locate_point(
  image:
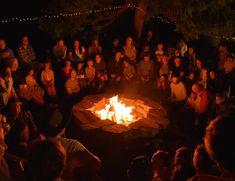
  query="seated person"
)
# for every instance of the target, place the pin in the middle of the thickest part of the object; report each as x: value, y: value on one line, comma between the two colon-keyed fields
x: 6, y: 87
x: 31, y: 89
x: 48, y: 79
x: 66, y: 69
x: 94, y: 48
x: 178, y: 90
x: 71, y: 85
x: 145, y: 69
x: 128, y: 71
x: 100, y: 71
x: 115, y: 68
x: 81, y: 75
x: 90, y: 73
x: 59, y: 50
x: 27, y: 56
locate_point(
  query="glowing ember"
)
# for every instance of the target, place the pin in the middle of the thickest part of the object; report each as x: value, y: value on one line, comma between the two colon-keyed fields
x: 115, y: 110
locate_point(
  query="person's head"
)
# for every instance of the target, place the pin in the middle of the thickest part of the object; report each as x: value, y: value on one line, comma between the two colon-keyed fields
x: 175, y: 79
x: 160, y: 46
x: 191, y: 76
x: 95, y: 43
x: 2, y: 44
x: 90, y: 63
x: 212, y: 74
x: 69, y: 54
x: 229, y: 58
x: 7, y: 72
x: 190, y: 50
x: 201, y: 160
x: 150, y: 34
x: 146, y: 47
x: 73, y: 74
x: 116, y: 42
x: 199, y: 64
x: 98, y: 58
x: 219, y: 143
x: 118, y: 55
x: 129, y: 41
x: 183, y: 156
x: 139, y: 169
x: 161, y: 162
x: 222, y: 48
x: 220, y: 98
x: 14, y: 64
x: 197, y: 88
x: 31, y: 72
x: 47, y: 159
x: 25, y: 40
x: 146, y: 57
x: 76, y: 43
x: 60, y: 42
x: 177, y: 61
x: 79, y: 65
x: 47, y: 64
x: 177, y: 52
x: 164, y: 78
x: 68, y: 63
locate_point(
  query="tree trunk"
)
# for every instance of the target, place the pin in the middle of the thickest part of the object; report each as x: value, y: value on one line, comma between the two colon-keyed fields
x: 140, y: 13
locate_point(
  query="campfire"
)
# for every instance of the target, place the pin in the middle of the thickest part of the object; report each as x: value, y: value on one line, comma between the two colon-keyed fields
x: 120, y: 110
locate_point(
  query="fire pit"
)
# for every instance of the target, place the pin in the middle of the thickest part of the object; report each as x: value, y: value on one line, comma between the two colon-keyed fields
x: 119, y: 114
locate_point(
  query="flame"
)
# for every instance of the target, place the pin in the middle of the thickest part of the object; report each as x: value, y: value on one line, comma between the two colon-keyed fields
x: 116, y: 111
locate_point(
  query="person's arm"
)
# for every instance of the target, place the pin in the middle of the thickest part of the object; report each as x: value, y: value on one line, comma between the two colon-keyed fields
x: 33, y: 55
x: 204, y: 103
x: 44, y: 82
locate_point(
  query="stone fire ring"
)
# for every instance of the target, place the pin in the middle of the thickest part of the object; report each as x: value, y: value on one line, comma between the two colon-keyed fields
x: 156, y: 119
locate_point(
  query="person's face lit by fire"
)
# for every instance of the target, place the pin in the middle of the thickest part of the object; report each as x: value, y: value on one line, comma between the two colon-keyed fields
x: 2, y: 44
x: 25, y: 41
x: 98, y: 58
x: 73, y: 74
x: 76, y: 43
x: 212, y: 75
x: 175, y: 80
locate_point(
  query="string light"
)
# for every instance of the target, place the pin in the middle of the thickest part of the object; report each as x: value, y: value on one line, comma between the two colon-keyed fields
x: 57, y: 16
x: 77, y: 14
x: 161, y: 19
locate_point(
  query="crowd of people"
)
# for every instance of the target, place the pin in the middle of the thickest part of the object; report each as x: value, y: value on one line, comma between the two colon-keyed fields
x: 187, y: 85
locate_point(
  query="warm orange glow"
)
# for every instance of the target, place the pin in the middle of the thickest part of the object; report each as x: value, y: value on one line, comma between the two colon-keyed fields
x: 115, y: 110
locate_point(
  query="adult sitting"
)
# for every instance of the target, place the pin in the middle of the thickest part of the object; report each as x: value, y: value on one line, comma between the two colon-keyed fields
x: 26, y: 53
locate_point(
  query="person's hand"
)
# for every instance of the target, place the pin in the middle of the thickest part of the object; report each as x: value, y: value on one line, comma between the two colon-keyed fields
x: 10, y: 81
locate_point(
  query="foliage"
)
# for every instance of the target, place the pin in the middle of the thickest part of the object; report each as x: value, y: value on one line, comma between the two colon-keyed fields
x: 70, y: 25
x: 192, y: 18
x: 213, y: 18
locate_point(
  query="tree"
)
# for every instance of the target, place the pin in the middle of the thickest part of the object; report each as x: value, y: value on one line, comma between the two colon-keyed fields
x: 192, y: 18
